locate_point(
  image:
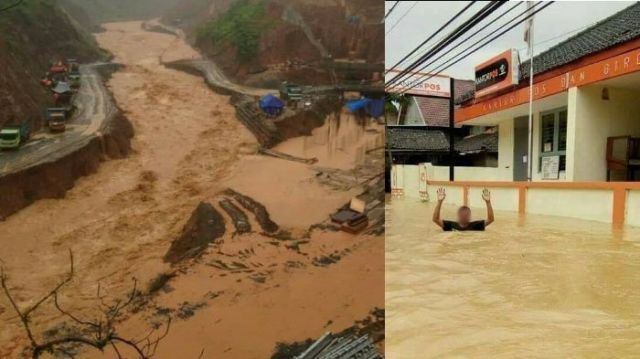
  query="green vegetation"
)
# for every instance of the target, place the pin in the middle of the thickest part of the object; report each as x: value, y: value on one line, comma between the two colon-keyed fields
x: 241, y: 26
x: 28, y: 11
x: 27, y: 14
x: 393, y: 101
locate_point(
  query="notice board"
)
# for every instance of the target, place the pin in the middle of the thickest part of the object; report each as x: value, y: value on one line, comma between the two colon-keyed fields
x: 551, y: 167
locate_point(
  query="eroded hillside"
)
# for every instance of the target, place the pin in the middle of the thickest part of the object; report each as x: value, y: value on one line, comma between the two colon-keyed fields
x: 260, y: 41
x: 31, y: 36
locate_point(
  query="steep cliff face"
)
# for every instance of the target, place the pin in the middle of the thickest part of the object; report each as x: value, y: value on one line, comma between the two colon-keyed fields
x: 31, y: 36
x: 251, y: 36
x: 100, y: 11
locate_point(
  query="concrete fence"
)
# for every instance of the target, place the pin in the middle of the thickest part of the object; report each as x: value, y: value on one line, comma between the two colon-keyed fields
x: 610, y: 202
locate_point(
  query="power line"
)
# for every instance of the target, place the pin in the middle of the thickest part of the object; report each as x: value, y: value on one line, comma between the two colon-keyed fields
x: 485, y: 26
x: 391, y: 10
x: 401, y: 17
x: 433, y: 35
x: 475, y: 34
x: 453, y: 36
x: 546, y: 4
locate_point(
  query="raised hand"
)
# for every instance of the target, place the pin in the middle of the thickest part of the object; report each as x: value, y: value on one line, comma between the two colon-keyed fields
x: 486, y: 195
x: 441, y: 194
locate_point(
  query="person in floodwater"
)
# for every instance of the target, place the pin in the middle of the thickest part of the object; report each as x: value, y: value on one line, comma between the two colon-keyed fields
x: 464, y: 222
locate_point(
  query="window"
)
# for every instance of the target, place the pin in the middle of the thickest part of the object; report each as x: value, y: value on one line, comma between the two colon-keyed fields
x: 553, y: 135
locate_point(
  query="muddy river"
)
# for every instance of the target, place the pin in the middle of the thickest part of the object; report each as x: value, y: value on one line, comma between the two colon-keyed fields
x: 527, y: 287
x: 119, y: 222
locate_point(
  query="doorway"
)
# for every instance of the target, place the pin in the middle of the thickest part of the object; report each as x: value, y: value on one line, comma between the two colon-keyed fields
x: 520, y: 148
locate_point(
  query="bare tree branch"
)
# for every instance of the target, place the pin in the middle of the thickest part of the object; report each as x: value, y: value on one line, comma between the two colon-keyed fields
x: 97, y: 334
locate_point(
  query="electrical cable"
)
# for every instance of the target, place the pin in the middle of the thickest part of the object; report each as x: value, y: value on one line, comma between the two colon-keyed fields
x: 401, y: 17
x: 546, y: 4
x: 433, y: 35
x: 453, y: 36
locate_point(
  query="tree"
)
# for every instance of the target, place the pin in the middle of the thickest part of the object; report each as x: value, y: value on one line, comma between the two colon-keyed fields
x: 395, y: 105
x: 97, y: 333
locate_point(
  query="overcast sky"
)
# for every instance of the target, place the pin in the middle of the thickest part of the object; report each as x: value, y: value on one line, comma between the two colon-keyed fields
x: 552, y: 25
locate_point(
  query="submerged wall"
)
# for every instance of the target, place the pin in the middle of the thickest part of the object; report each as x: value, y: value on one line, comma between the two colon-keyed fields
x: 609, y: 202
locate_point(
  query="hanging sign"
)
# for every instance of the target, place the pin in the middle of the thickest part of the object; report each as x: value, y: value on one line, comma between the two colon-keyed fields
x: 415, y: 84
x: 497, y: 73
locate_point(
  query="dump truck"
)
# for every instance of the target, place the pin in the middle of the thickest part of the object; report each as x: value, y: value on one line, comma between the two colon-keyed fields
x: 74, y: 73
x: 73, y: 66
x: 58, y: 68
x: 290, y: 92
x: 74, y: 80
x: 56, y: 119
x: 12, y: 136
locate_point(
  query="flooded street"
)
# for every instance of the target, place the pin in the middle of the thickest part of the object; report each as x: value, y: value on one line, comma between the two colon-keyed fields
x: 119, y: 222
x: 527, y: 287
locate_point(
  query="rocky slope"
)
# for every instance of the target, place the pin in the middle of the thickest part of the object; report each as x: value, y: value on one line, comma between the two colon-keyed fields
x: 31, y: 36
x: 287, y: 38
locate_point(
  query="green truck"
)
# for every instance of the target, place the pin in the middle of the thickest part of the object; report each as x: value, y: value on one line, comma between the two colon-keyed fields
x: 12, y: 136
x: 290, y: 92
x: 74, y: 80
x: 74, y: 73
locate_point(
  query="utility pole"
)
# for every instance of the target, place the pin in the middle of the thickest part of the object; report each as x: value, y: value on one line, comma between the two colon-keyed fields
x: 529, y: 39
x: 452, y: 101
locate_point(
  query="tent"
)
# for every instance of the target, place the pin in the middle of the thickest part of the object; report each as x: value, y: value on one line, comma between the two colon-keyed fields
x: 62, y: 87
x: 355, y: 105
x: 271, y: 105
x: 373, y: 107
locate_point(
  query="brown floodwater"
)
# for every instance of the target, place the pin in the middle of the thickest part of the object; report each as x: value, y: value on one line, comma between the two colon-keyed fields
x: 120, y: 221
x: 534, y: 286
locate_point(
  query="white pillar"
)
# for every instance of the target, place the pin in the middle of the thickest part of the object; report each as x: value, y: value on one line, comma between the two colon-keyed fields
x: 572, y: 148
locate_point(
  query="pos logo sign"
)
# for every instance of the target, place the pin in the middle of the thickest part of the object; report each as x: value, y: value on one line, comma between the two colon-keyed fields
x: 497, y: 73
x: 419, y: 83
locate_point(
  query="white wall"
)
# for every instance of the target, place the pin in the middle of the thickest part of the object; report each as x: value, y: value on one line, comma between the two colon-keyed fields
x: 454, y: 194
x: 594, y: 120
x: 596, y: 205
x: 632, y: 215
x: 502, y: 199
x: 411, y: 181
x: 413, y: 115
x: 441, y: 173
x: 505, y: 149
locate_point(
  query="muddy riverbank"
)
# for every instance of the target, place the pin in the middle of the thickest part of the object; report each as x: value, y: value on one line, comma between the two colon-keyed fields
x: 100, y: 131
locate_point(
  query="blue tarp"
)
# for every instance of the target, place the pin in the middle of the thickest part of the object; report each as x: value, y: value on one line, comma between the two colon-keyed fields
x: 355, y: 105
x: 374, y: 107
x: 271, y: 105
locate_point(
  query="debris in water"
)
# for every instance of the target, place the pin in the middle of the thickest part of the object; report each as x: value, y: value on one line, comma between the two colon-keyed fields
x: 258, y: 209
x: 204, y: 227
x: 331, y: 346
x: 160, y: 282
x: 240, y: 220
x: 188, y: 310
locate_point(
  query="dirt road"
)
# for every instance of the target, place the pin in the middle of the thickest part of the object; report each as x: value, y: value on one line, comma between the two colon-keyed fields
x: 209, y: 70
x: 120, y: 222
x: 94, y: 108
